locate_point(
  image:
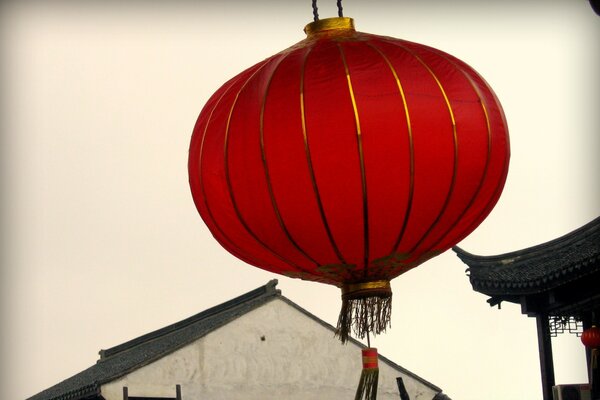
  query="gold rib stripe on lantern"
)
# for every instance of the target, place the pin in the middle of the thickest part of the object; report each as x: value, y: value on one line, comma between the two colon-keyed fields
x: 230, y: 187
x: 411, y: 186
x: 455, y: 141
x: 491, y: 201
x: 310, y: 165
x: 266, y: 167
x: 201, y: 156
x: 488, y: 155
x: 361, y: 157
x: 495, y: 194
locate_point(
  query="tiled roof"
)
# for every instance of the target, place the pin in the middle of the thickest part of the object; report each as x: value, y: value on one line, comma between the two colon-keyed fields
x: 129, y: 356
x: 573, y: 256
x: 124, y: 358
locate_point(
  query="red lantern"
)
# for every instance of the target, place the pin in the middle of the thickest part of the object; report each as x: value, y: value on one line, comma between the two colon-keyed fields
x: 348, y: 159
x: 591, y: 337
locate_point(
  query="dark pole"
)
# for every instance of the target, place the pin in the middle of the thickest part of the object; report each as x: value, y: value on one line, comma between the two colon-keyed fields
x: 587, y: 324
x: 402, y: 389
x: 545, y: 349
x: 590, y: 320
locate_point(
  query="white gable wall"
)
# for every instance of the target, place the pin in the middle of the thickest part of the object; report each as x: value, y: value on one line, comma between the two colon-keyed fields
x: 298, y: 359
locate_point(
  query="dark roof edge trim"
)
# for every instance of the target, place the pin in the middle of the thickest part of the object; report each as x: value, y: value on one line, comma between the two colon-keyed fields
x: 258, y: 302
x: 84, y: 392
x: 360, y: 344
x: 267, y: 290
x: 562, y: 241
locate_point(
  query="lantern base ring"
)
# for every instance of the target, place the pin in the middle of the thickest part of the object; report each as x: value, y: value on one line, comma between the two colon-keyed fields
x: 380, y: 288
x: 366, y: 308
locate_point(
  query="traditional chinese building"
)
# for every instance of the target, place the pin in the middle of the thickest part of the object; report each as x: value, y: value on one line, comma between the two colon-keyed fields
x: 557, y: 282
x: 259, y: 345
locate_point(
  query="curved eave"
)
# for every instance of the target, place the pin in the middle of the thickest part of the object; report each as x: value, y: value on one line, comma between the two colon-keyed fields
x: 539, y: 268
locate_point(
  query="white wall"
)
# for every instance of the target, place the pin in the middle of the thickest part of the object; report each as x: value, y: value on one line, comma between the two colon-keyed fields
x: 298, y: 359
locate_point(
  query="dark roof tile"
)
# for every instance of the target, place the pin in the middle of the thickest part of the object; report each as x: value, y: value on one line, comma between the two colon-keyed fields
x: 538, y: 268
x: 124, y: 358
x: 129, y: 356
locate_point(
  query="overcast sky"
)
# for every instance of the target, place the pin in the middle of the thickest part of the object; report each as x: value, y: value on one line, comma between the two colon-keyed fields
x: 101, y: 241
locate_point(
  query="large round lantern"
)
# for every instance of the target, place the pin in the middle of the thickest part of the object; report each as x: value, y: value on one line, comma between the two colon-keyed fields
x: 348, y: 159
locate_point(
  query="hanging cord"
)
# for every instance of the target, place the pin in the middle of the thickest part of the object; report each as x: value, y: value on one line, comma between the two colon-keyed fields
x: 316, y: 10
x: 340, y: 9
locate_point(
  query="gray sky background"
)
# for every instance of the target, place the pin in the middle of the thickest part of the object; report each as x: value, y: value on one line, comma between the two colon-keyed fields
x: 101, y: 241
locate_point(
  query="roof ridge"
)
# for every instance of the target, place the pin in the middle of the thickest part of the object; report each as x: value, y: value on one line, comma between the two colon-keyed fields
x: 360, y: 344
x: 124, y: 358
x: 532, y: 251
x: 261, y: 292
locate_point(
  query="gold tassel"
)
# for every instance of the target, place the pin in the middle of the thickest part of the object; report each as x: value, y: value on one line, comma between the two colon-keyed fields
x: 367, y: 386
x: 366, y: 308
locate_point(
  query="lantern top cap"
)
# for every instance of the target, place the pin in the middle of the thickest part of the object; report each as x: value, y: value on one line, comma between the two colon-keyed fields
x: 330, y: 25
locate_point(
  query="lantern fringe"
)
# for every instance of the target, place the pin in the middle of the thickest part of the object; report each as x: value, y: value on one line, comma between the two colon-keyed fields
x: 369, y: 377
x: 363, y: 315
x: 367, y: 386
